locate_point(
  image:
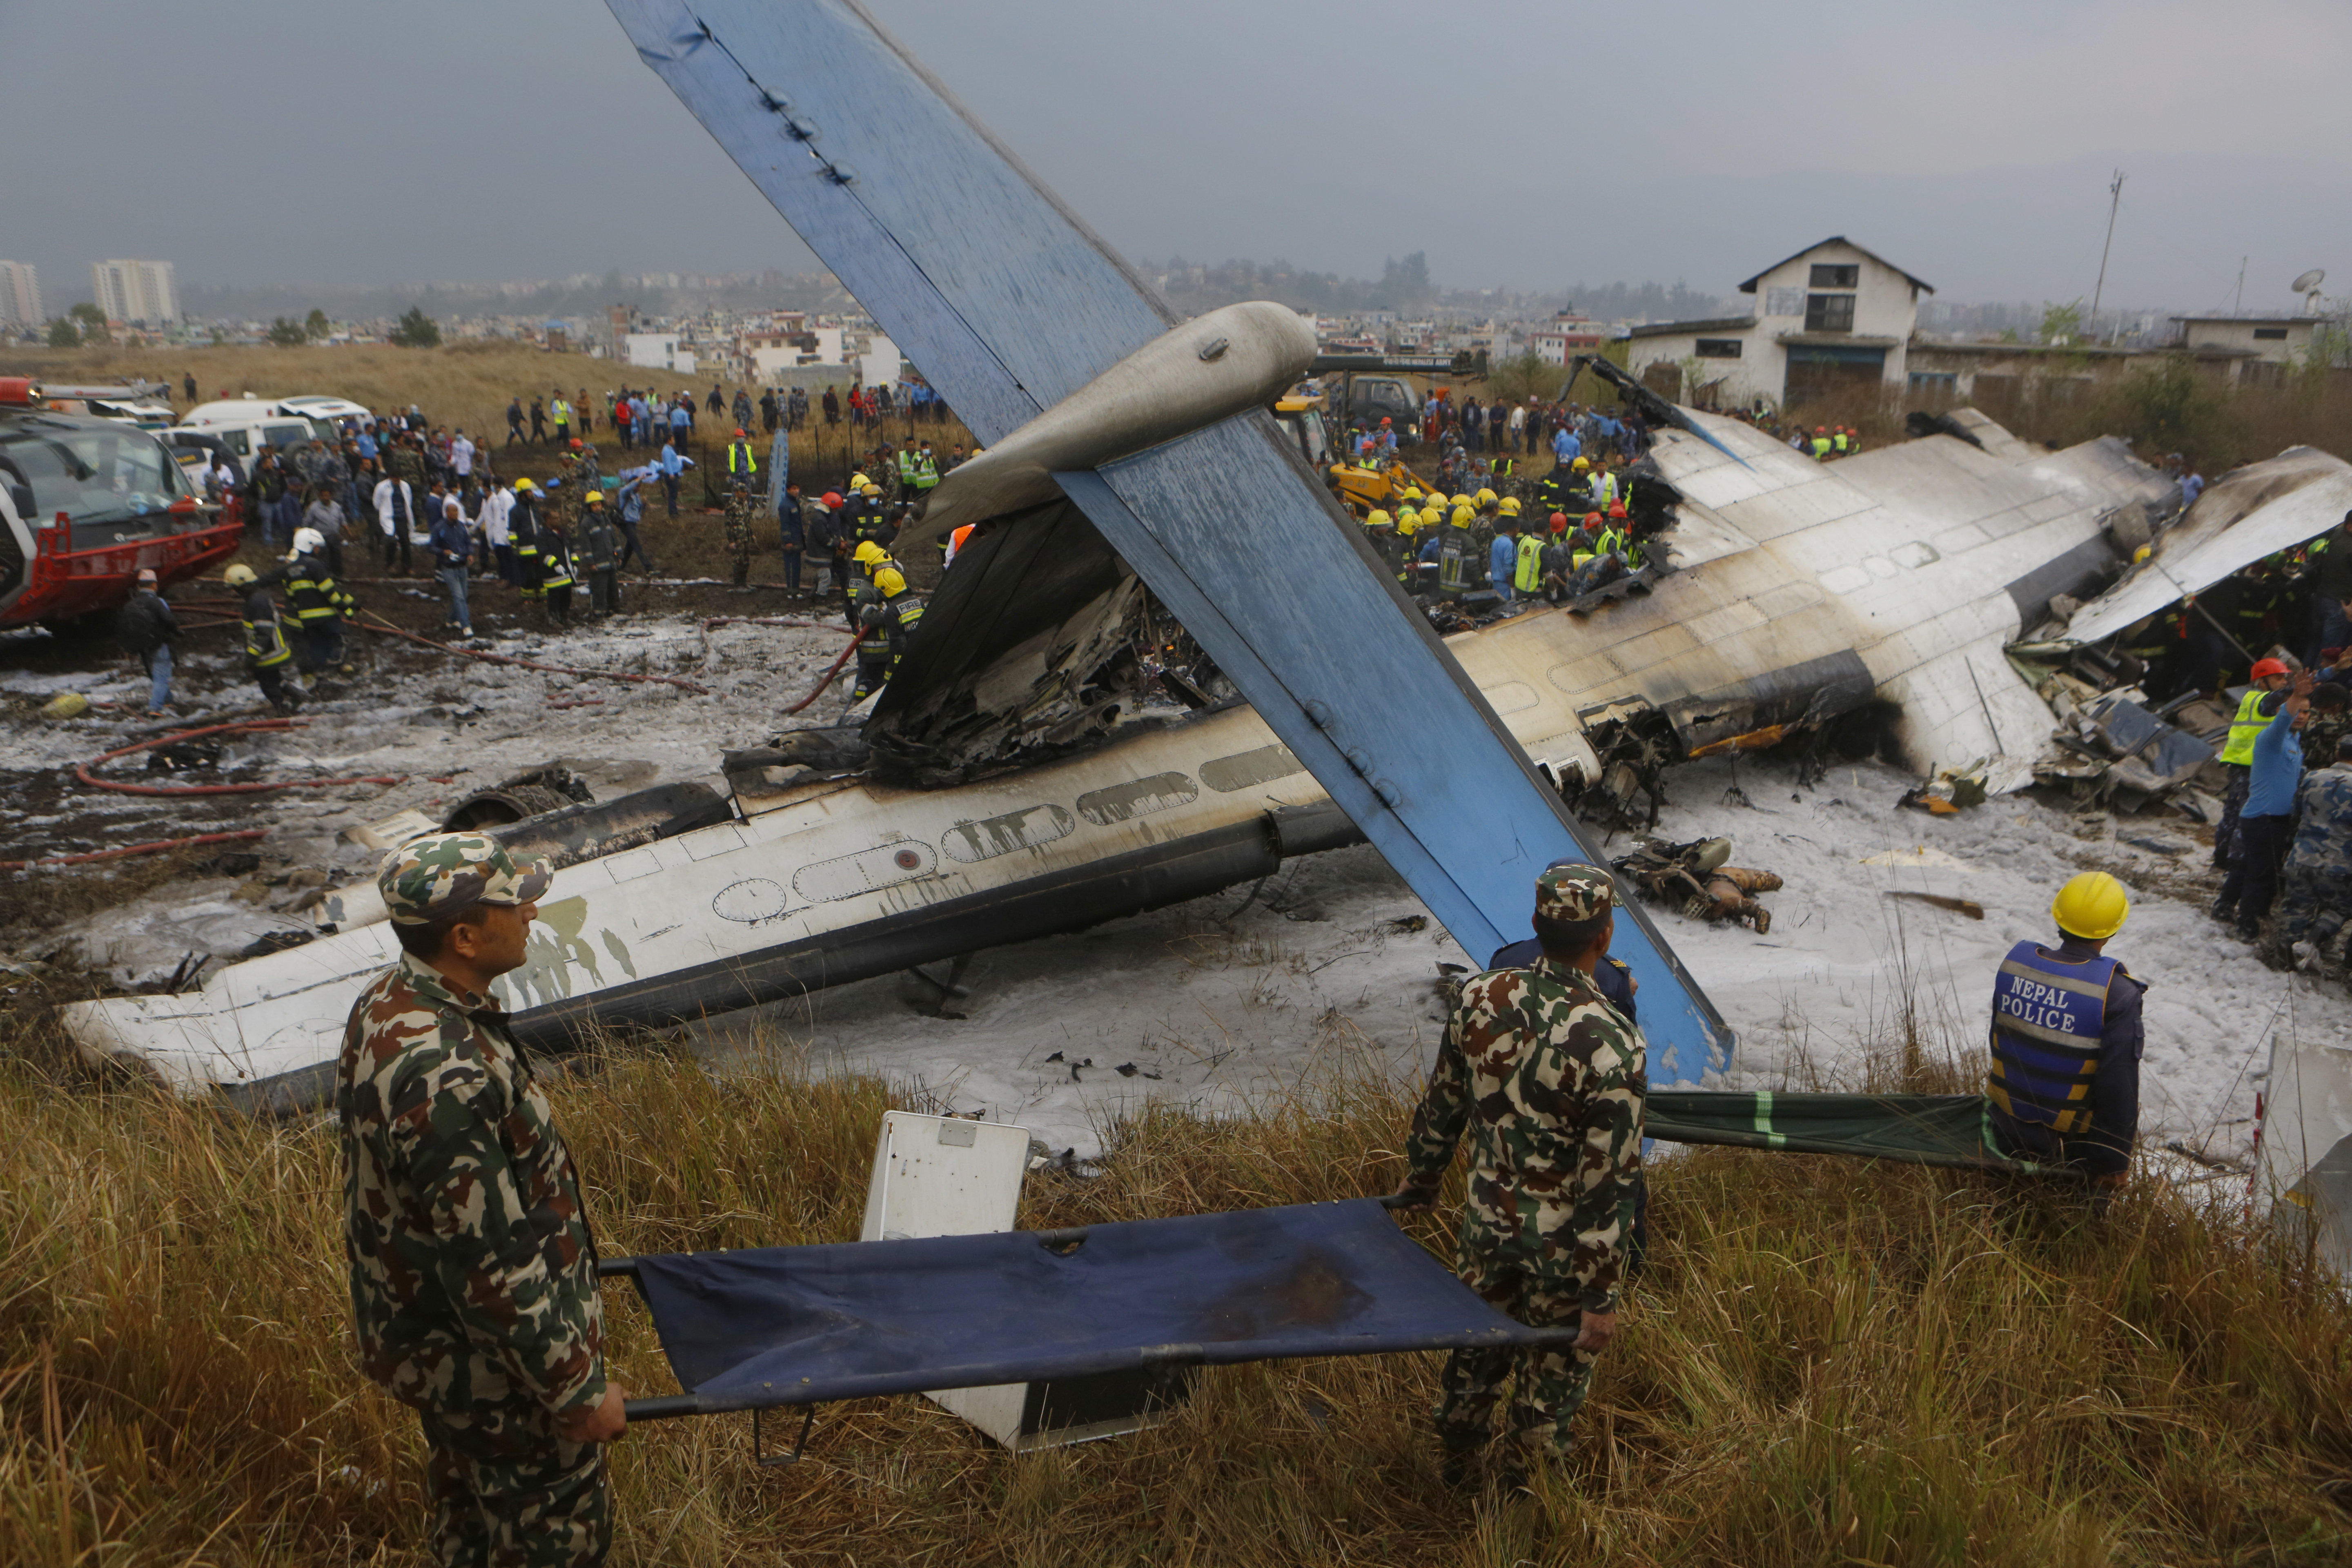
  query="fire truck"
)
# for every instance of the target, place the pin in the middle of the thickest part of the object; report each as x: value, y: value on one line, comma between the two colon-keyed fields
x: 85, y: 504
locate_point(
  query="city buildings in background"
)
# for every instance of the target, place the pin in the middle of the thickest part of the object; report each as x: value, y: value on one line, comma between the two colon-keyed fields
x: 142, y: 293
x: 20, y: 295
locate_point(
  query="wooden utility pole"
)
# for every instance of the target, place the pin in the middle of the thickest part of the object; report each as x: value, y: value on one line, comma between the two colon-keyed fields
x: 2114, y: 200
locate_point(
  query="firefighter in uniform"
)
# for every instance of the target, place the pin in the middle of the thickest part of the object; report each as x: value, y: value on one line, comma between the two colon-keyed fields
x: 319, y: 602
x: 528, y: 534
x: 267, y: 654
x: 2066, y: 1041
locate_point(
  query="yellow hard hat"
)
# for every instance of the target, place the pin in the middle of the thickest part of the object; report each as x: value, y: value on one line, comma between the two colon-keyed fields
x: 524, y: 484
x: 1464, y: 517
x: 2093, y: 906
x: 872, y: 490
x: 1461, y: 501
x: 869, y: 553
x: 1413, y: 492
x: 1378, y: 519
x: 1510, y: 506
x: 238, y: 576
x: 1581, y: 467
x: 858, y: 482
x: 890, y: 581
x: 1429, y: 517
x: 1486, y: 498
x: 595, y: 495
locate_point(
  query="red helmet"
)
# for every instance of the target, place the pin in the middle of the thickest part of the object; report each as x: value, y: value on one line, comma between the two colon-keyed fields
x: 739, y: 432
x: 2269, y: 667
x: 575, y: 443
x: 1820, y: 429
x: 1385, y: 420
x: 832, y: 499
x: 1560, y: 523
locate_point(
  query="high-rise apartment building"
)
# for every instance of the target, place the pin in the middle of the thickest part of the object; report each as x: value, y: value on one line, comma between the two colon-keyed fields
x: 142, y: 291
x: 20, y: 295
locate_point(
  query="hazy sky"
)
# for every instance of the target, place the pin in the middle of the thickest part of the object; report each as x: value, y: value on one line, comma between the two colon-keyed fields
x: 1523, y: 142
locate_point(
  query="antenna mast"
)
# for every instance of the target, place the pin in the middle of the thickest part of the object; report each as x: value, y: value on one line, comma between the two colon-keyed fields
x: 2238, y: 305
x: 2114, y: 200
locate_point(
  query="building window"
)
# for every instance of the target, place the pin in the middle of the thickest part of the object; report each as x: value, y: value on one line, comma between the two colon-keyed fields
x: 1716, y: 348
x: 2270, y: 335
x: 1933, y: 381
x: 1784, y: 301
x: 1829, y: 312
x: 1826, y: 277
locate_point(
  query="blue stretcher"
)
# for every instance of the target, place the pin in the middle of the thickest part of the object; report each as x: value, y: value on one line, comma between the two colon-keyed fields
x: 772, y: 1326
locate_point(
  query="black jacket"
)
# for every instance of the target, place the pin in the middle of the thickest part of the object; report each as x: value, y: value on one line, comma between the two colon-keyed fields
x: 145, y: 623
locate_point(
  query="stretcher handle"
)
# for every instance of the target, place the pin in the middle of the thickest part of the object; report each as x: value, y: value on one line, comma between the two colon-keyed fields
x: 661, y: 1408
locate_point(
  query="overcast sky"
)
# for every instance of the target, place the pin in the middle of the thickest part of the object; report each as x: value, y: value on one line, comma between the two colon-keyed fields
x: 1522, y: 142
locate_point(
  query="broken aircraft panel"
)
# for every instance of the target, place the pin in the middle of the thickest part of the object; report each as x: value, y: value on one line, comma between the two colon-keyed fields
x: 1910, y: 567
x: 2248, y: 514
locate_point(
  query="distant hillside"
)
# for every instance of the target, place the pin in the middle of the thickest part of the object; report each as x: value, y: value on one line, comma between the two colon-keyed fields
x: 1405, y: 287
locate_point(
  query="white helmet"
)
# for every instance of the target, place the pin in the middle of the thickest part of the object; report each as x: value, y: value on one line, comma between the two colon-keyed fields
x: 309, y: 540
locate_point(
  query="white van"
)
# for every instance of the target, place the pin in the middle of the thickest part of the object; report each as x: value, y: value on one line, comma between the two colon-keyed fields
x: 243, y: 426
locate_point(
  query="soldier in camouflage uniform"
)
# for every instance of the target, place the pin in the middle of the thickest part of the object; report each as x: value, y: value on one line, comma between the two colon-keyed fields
x: 2315, y: 884
x: 1547, y: 1079
x: 473, y: 1273
x: 739, y: 527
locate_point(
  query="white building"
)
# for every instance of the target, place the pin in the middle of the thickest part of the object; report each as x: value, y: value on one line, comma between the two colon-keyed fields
x: 140, y: 291
x: 2255, y: 350
x: 1563, y: 337
x: 20, y: 295
x: 1833, y: 318
x: 658, y: 350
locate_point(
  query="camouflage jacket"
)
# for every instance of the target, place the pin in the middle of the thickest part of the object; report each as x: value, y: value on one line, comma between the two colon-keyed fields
x: 2323, y: 837
x: 1547, y: 1079
x: 473, y: 1274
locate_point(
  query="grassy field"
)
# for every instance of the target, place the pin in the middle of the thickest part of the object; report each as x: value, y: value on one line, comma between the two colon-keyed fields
x: 461, y: 384
x: 1827, y: 1362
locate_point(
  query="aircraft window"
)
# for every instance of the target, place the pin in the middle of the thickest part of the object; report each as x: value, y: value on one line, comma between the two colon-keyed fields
x: 1829, y: 312
x: 1716, y: 348
x: 1836, y: 277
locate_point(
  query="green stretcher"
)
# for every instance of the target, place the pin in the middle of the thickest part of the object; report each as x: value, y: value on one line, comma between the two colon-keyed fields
x: 1922, y: 1129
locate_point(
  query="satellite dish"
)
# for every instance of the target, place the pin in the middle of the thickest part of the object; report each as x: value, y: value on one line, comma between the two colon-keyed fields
x: 2310, y: 281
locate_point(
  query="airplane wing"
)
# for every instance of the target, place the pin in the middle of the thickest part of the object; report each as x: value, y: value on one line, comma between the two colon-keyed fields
x: 2259, y: 509
x: 1009, y: 305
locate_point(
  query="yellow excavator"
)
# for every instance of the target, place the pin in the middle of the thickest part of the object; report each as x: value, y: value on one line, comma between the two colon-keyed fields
x: 1361, y: 488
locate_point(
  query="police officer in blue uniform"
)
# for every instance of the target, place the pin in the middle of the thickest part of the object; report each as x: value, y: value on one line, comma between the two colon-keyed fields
x: 2066, y: 1041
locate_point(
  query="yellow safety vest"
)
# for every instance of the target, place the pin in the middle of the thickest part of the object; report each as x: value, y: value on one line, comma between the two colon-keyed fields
x: 561, y: 411
x: 739, y: 459
x: 2246, y: 727
x: 1529, y: 577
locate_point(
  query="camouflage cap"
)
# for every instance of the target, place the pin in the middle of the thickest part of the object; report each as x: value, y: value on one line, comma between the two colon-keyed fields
x: 442, y: 873
x: 1574, y: 894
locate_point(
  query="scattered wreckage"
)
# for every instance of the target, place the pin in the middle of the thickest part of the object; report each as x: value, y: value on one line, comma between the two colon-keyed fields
x: 1002, y: 788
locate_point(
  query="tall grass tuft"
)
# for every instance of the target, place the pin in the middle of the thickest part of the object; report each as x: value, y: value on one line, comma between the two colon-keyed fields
x: 1826, y: 1362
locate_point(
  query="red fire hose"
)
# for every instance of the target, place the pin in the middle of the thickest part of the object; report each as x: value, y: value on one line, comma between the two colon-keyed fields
x: 82, y: 770
x: 129, y: 849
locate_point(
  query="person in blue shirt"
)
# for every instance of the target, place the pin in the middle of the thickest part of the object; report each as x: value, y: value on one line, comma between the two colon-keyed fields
x: 672, y: 465
x: 632, y: 496
x: 1503, y: 558
x: 453, y: 550
x: 792, y: 531
x: 1566, y: 447
x: 2267, y: 819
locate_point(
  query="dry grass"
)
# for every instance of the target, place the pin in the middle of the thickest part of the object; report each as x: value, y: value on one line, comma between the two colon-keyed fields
x: 463, y: 385
x: 1827, y: 1362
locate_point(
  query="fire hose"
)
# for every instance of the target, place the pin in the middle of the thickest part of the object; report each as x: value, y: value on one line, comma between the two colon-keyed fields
x: 129, y: 849
x: 82, y: 770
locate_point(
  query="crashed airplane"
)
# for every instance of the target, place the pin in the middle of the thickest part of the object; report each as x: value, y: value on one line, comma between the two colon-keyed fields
x: 1002, y: 788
